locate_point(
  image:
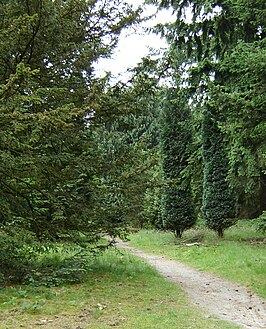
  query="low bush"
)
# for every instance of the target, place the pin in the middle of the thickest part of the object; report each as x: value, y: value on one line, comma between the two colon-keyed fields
x: 15, y: 256
x: 262, y: 223
x: 59, y: 265
x: 25, y: 260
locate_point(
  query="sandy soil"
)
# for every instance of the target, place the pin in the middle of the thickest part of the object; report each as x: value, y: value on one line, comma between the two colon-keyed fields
x: 222, y: 298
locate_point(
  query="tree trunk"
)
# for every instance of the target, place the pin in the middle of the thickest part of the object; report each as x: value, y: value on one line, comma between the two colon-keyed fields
x: 220, y: 232
x: 178, y: 233
x: 262, y: 192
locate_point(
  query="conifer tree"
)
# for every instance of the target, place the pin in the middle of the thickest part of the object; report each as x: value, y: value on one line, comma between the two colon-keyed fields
x: 178, y: 211
x: 224, y: 44
x: 218, y: 204
x: 48, y: 103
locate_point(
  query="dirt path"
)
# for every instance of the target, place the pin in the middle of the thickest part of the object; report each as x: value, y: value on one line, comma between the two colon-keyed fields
x: 224, y: 299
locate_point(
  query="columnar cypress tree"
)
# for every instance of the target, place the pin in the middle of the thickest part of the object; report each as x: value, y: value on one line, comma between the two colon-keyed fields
x: 225, y: 40
x: 218, y: 207
x: 178, y: 211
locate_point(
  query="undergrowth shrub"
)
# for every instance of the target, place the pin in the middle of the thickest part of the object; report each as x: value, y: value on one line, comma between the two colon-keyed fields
x: 262, y: 223
x: 57, y: 265
x: 15, y: 255
x: 24, y: 260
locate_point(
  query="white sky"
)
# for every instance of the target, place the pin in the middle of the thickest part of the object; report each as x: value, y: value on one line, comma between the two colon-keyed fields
x: 133, y: 45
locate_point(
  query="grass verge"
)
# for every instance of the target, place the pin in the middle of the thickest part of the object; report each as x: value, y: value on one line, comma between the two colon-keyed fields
x: 240, y: 257
x: 120, y: 291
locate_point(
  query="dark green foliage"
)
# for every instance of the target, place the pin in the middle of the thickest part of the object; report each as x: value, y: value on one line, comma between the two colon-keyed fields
x: 50, y: 167
x: 262, y: 222
x: 152, y: 212
x: 196, y: 162
x: 15, y: 255
x: 218, y: 204
x: 178, y: 211
x: 48, y: 96
x: 56, y: 266
x: 225, y: 42
x: 127, y: 157
x: 214, y: 26
x: 241, y: 96
x: 24, y: 260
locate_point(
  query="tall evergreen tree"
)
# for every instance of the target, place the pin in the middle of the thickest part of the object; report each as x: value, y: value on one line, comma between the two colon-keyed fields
x: 48, y: 101
x: 241, y: 96
x: 218, y: 204
x: 218, y: 39
x: 128, y: 146
x: 178, y: 210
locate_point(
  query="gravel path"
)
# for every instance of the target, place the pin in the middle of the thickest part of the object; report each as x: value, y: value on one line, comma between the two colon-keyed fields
x: 222, y: 298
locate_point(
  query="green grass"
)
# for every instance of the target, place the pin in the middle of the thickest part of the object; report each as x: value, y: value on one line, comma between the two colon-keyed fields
x: 120, y: 291
x: 239, y: 257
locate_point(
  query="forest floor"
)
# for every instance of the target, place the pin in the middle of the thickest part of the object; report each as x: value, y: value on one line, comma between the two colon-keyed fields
x: 226, y: 300
x: 127, y: 288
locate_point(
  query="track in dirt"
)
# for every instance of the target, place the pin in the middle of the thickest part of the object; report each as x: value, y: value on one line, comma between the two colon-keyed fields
x: 222, y: 298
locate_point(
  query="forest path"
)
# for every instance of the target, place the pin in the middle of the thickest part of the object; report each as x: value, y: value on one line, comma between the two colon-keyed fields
x: 226, y: 300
